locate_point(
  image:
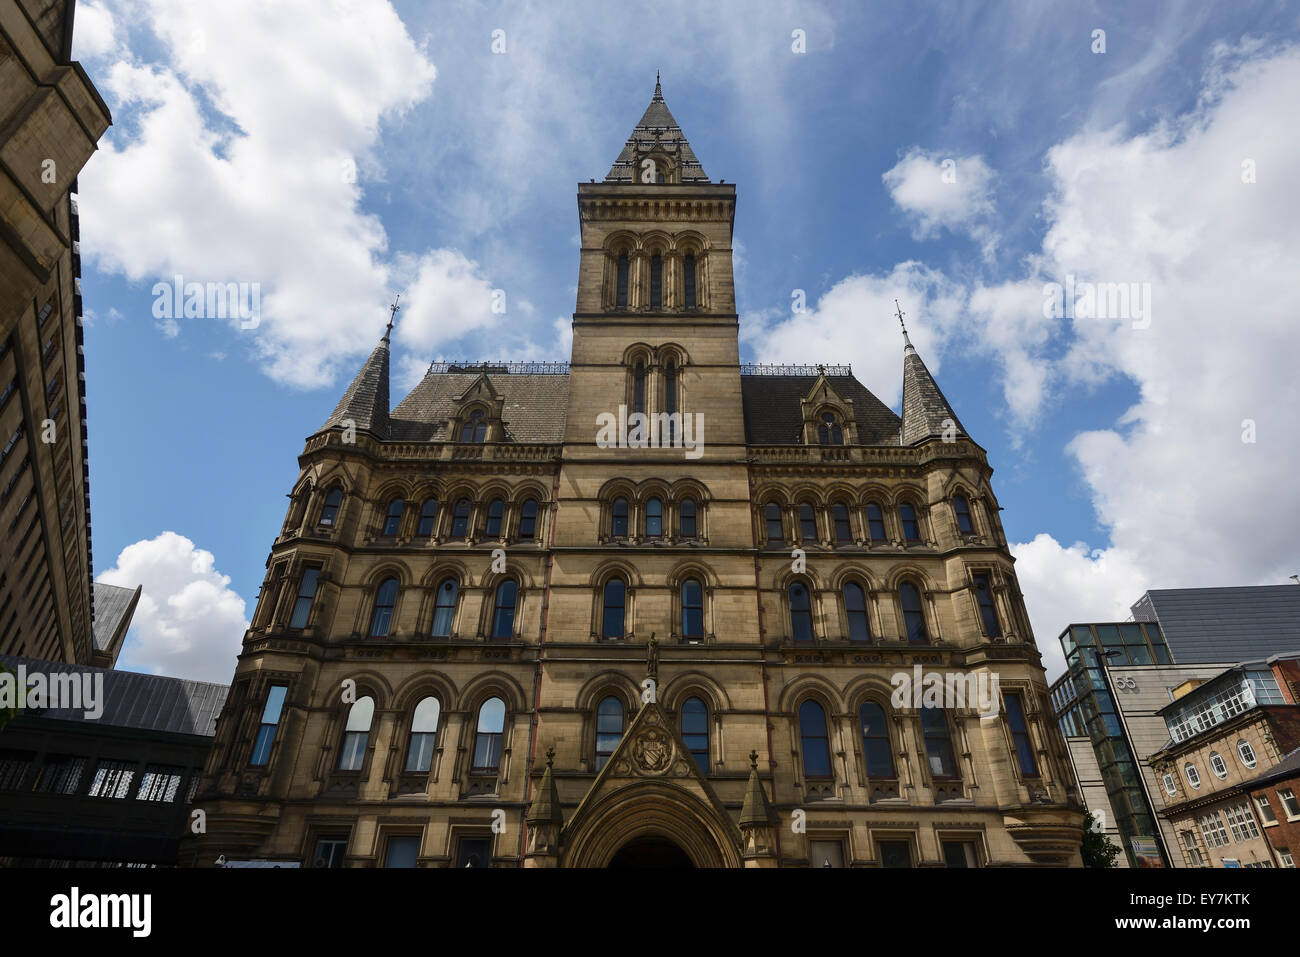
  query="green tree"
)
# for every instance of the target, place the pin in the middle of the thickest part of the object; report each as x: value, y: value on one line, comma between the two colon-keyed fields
x: 1097, y: 850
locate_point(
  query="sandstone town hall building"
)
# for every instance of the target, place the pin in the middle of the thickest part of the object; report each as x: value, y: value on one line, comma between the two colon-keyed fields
x: 451, y: 661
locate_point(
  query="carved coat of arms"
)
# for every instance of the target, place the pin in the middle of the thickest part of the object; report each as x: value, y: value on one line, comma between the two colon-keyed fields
x: 652, y: 751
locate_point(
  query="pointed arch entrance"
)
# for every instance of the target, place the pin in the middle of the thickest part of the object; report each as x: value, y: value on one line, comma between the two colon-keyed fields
x: 650, y: 852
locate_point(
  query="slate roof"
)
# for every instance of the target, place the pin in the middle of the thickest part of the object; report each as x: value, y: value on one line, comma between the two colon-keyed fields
x: 534, y: 409
x: 774, y: 416
x: 656, y: 119
x: 112, y: 605
x: 366, y: 401
x: 1213, y: 624
x: 135, y: 700
x: 1287, y: 767
x: 924, y: 407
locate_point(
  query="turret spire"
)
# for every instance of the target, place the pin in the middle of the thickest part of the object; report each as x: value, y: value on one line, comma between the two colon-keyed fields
x: 926, y: 412
x: 658, y: 134
x: 365, y: 403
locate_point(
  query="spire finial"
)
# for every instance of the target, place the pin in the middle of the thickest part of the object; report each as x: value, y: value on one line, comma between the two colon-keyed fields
x: 659, y: 93
x: 550, y: 756
x: 753, y: 760
x: 392, y: 316
x: 908, y: 346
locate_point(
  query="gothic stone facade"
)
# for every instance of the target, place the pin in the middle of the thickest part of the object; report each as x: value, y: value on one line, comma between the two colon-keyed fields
x: 448, y: 663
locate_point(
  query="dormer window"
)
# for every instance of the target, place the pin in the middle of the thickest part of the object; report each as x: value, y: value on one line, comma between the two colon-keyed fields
x: 475, y: 428
x: 829, y: 431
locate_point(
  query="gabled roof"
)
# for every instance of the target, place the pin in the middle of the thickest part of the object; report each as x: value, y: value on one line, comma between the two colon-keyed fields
x: 656, y: 129
x: 366, y: 401
x: 926, y: 413
x: 533, y: 408
x: 114, y: 607
x: 774, y: 409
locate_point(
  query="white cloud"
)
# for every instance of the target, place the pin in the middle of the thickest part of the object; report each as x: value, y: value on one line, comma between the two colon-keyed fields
x: 95, y: 31
x: 945, y: 192
x: 242, y: 166
x: 188, y: 623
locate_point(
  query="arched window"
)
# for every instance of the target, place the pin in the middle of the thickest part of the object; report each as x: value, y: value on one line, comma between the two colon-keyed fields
x: 913, y: 619
x: 938, y: 743
x: 460, y: 519
x: 496, y: 509
x: 686, y: 526
x: 692, y: 609
x: 385, y: 601
x: 444, y: 607
x: 875, y: 522
x: 813, y: 741
x: 961, y: 508
x: 1218, y: 765
x: 911, y: 528
x: 695, y: 731
x: 670, y: 399
x: 355, y: 734
x: 855, y: 607
x: 424, y: 729
x: 840, y: 519
x: 775, y: 528
x: 807, y: 522
x: 393, y: 520
x: 487, y: 741
x: 475, y: 427
x: 800, y: 612
x: 528, y: 520
x: 688, y: 281
x: 329, y: 512
x: 1193, y: 776
x: 618, y: 518
x: 428, y: 518
x: 638, y: 387
x: 875, y: 741
x: 1246, y: 753
x: 987, y: 607
x: 613, y: 608
x: 829, y: 431
x: 620, y: 294
x: 654, y: 518
x: 609, y: 729
x: 503, y: 616
x: 657, y: 279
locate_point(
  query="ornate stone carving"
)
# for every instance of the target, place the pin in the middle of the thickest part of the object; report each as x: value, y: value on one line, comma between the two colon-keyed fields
x: 652, y: 751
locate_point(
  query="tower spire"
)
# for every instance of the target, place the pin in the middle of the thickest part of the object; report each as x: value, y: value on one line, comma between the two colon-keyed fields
x: 908, y: 347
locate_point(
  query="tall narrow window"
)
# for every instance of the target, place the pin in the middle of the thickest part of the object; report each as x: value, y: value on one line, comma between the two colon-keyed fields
x: 840, y: 519
x: 428, y: 518
x: 807, y: 522
x: 654, y: 518
x: 356, y: 733
x: 961, y: 508
x: 1020, y: 735
x: 814, y: 742
x: 424, y: 729
x: 692, y: 609
x: 855, y: 607
x: 496, y: 509
x: 528, y: 520
x: 911, y: 529
x: 503, y: 616
x: 772, y: 520
x: 938, y: 743
x: 670, y: 400
x: 618, y: 519
x: 988, y: 612
x: 800, y: 613
x: 686, y: 525
x: 266, y: 730
x: 487, y: 741
x: 688, y: 281
x: 613, y: 602
x: 393, y: 520
x: 656, y: 281
x: 695, y: 732
x: 475, y: 427
x: 913, y: 618
x: 306, y: 593
x: 460, y: 519
x: 329, y: 512
x: 875, y: 741
x: 875, y: 523
x: 444, y: 607
x: 385, y: 601
x: 829, y: 431
x: 638, y: 388
x: 609, y: 729
x: 620, y: 294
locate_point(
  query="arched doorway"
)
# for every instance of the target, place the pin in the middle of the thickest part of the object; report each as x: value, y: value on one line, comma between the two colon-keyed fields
x: 650, y: 852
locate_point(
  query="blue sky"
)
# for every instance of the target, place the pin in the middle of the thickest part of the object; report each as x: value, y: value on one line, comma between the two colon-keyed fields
x: 237, y: 131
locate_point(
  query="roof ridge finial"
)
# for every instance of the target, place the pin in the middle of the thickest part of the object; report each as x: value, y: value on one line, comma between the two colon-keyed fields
x: 392, y: 316
x: 908, y: 347
x: 659, y: 93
